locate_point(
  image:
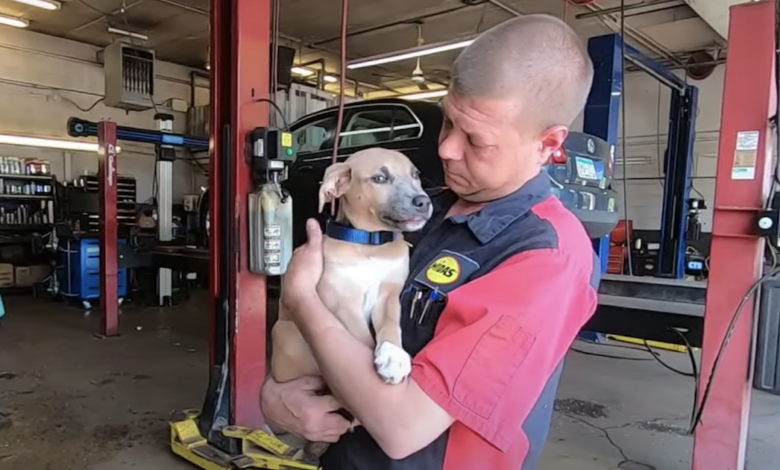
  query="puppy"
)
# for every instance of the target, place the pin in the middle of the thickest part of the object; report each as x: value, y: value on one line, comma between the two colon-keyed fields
x: 378, y: 190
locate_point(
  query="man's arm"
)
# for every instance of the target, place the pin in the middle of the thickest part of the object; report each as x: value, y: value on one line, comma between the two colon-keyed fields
x: 496, y: 345
x: 406, y: 413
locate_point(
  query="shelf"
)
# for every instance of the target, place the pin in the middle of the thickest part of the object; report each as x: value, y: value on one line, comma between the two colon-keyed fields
x: 27, y: 196
x: 11, y: 176
x: 25, y: 227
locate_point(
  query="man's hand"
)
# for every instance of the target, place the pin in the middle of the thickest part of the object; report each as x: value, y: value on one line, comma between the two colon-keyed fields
x: 296, y: 407
x: 300, y: 281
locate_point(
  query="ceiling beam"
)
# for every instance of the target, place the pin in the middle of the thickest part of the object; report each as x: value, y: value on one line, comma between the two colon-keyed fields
x: 715, y: 13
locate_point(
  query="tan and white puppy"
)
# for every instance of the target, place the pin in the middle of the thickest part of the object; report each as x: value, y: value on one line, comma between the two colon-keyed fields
x: 378, y: 190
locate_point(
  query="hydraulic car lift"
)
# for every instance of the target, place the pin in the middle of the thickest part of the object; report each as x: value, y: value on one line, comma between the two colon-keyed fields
x: 108, y: 133
x: 602, y: 116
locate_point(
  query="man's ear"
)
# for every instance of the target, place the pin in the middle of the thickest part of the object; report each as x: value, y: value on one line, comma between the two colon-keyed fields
x: 551, y: 141
x: 335, y: 183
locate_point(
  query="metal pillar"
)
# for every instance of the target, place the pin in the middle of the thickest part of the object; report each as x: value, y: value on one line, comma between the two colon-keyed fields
x: 109, y: 255
x: 743, y: 179
x: 602, y: 111
x: 165, y: 156
x: 240, y: 65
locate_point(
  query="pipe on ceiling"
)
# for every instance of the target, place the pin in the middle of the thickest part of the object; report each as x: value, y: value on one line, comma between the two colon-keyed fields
x: 405, y: 21
x: 633, y: 6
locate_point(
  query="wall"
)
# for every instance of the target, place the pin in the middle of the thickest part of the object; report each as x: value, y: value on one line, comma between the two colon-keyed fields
x: 45, y: 80
x: 647, y: 108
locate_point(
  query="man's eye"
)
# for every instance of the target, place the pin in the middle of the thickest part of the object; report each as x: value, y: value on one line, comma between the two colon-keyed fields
x: 379, y: 179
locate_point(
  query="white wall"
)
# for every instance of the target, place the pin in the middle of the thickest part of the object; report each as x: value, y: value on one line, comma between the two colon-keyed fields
x: 41, y: 77
x: 647, y: 127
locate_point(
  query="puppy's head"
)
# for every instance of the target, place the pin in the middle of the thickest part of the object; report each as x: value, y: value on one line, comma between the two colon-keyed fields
x: 378, y: 189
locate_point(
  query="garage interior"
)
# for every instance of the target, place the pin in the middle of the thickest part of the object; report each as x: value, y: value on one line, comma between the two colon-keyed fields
x: 89, y: 384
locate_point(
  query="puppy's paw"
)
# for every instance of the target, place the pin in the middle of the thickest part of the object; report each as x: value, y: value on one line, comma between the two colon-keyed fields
x: 392, y: 363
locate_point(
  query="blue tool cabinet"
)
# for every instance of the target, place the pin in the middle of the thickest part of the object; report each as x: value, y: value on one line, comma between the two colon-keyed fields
x: 78, y: 272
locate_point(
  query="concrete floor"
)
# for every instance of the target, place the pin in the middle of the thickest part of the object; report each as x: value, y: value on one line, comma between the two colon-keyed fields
x: 69, y: 401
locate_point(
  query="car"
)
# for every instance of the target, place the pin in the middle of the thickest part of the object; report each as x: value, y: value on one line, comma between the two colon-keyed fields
x: 581, y: 172
x: 410, y: 127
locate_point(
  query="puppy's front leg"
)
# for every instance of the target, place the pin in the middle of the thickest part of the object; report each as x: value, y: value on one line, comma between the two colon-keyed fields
x: 392, y: 363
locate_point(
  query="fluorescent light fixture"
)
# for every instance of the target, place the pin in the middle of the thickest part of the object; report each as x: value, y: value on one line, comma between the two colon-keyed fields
x: 408, y: 54
x: 302, y: 71
x: 49, y: 143
x: 330, y: 79
x: 15, y: 22
x: 131, y: 34
x: 424, y: 95
x: 45, y: 4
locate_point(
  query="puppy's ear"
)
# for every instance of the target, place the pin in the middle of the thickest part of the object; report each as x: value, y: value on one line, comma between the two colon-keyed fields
x: 335, y: 183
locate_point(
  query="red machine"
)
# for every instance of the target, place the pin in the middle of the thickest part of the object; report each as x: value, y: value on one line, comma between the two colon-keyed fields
x: 744, y: 177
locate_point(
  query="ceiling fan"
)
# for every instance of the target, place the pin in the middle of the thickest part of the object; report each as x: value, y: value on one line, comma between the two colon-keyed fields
x: 419, y: 77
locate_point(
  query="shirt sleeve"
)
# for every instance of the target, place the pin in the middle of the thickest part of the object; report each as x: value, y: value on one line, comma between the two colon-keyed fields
x: 501, y: 337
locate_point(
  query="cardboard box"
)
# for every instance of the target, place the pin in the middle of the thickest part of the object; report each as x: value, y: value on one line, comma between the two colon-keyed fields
x: 6, y: 275
x: 23, y: 276
x: 40, y: 272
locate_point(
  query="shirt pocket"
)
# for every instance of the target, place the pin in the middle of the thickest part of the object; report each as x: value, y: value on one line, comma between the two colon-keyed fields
x: 492, y: 365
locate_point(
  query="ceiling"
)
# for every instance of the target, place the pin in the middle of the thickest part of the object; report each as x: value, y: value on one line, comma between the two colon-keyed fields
x: 178, y: 30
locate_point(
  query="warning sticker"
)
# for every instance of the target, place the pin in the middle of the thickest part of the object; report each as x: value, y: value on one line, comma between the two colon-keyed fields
x: 745, y: 156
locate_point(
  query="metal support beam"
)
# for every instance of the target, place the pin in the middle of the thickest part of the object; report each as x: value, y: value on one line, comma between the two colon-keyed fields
x: 109, y: 253
x: 678, y: 181
x: 240, y: 46
x: 602, y: 111
x: 744, y: 177
x: 165, y: 156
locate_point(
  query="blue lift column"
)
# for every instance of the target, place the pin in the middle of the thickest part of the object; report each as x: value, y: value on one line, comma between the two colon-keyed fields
x: 602, y: 114
x: 602, y: 111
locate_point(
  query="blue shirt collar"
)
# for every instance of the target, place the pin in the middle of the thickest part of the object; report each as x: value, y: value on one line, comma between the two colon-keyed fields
x: 497, y: 215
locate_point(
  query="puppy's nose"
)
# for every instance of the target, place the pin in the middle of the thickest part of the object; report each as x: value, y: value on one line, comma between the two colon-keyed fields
x: 421, y: 201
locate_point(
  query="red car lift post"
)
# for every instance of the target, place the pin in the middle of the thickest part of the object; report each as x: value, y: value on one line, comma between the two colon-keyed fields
x: 744, y: 175
x: 109, y: 255
x: 239, y: 87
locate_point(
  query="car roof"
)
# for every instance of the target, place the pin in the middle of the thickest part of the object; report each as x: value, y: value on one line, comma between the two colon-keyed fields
x: 418, y: 107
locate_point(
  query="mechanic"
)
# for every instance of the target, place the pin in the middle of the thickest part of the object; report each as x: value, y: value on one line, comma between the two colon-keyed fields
x: 502, y: 279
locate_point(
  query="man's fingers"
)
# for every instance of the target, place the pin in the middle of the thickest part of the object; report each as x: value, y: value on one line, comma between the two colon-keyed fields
x: 314, y: 233
x: 330, y: 403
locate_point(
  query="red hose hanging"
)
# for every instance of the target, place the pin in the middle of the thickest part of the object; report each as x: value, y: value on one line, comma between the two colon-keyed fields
x: 342, y: 87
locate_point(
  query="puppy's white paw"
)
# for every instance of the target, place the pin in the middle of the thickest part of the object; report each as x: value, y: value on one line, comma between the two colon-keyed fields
x: 392, y: 363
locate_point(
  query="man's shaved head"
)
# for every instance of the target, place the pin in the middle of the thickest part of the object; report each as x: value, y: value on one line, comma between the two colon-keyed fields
x: 537, y: 61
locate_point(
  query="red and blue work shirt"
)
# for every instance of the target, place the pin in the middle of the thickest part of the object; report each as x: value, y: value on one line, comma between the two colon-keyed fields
x: 493, y: 302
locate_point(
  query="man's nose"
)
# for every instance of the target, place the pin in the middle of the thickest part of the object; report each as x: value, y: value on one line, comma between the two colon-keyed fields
x: 450, y: 148
x: 421, y: 202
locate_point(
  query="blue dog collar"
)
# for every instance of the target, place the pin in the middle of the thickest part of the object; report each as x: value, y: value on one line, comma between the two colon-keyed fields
x: 346, y: 233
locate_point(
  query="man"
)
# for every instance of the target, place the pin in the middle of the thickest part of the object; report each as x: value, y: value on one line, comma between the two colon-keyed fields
x: 501, y: 281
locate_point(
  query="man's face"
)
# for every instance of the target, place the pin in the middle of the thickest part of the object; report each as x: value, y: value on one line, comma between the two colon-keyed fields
x: 489, y: 149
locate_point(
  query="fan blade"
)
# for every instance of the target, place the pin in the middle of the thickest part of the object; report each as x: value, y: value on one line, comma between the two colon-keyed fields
x: 423, y: 86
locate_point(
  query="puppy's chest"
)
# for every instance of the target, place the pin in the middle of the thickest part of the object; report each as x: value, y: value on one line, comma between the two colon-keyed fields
x: 365, y: 279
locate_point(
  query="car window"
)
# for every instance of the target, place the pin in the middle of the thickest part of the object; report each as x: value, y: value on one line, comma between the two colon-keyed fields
x: 374, y: 126
x: 365, y: 127
x: 316, y: 136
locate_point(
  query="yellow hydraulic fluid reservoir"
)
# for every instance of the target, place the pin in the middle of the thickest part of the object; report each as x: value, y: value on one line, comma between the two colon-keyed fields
x: 270, y: 230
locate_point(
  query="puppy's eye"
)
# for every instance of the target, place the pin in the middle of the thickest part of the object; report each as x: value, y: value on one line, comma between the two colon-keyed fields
x: 379, y: 179
x: 416, y: 174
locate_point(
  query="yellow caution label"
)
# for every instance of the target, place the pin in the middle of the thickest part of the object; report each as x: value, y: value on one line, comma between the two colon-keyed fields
x: 444, y: 270
x: 286, y: 139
